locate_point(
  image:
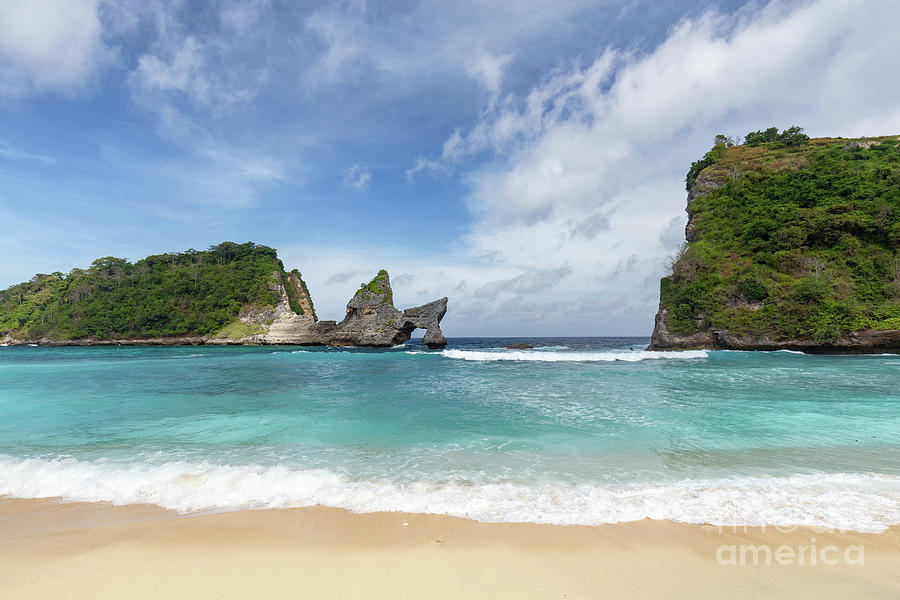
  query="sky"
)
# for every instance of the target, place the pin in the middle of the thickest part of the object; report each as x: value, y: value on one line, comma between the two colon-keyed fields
x: 524, y: 158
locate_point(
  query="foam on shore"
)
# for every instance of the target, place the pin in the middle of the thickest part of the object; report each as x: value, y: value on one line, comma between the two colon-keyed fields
x: 852, y: 501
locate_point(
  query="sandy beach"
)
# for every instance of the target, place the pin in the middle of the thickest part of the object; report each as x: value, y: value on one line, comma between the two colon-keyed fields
x: 50, y: 549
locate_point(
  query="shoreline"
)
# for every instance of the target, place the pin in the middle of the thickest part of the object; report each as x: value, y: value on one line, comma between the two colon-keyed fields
x: 801, y: 347
x: 95, y: 550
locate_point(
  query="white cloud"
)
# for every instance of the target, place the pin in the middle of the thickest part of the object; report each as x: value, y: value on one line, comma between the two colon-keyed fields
x: 488, y: 71
x: 183, y: 72
x: 527, y: 283
x: 452, y: 152
x: 189, y: 85
x: 181, y: 68
x: 432, y: 38
x: 357, y: 177
x: 342, y: 30
x: 50, y: 46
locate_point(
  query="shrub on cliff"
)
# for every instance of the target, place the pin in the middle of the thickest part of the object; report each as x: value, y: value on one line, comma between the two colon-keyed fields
x: 792, y: 136
x: 720, y: 144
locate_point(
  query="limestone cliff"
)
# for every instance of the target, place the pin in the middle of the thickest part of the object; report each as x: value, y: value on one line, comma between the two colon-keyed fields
x: 371, y: 321
x: 790, y: 244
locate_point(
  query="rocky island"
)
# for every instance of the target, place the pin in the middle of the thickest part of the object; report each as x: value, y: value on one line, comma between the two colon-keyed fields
x: 371, y: 320
x: 229, y: 294
x: 791, y: 243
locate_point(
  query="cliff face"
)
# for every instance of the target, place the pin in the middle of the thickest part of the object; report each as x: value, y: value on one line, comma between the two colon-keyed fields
x: 789, y: 247
x: 298, y: 295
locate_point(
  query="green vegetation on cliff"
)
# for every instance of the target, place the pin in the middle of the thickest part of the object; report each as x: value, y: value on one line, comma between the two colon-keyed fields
x: 293, y: 293
x: 790, y: 238
x: 177, y: 294
x: 377, y: 286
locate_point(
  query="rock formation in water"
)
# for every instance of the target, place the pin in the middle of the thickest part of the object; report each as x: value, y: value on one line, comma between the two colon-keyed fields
x: 230, y: 294
x: 791, y: 243
x: 371, y: 321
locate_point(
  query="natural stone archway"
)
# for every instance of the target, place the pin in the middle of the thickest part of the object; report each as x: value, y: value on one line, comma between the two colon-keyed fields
x: 371, y: 320
x: 428, y: 317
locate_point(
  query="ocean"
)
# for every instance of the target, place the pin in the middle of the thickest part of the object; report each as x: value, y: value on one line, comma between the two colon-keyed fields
x: 575, y: 431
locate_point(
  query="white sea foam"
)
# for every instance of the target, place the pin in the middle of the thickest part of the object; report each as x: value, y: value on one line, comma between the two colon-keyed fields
x: 854, y: 501
x: 537, y: 355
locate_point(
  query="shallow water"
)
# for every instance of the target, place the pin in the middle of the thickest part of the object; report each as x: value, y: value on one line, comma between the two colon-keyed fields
x: 578, y: 430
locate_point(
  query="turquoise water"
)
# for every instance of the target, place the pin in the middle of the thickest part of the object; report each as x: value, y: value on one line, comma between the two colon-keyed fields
x: 583, y: 430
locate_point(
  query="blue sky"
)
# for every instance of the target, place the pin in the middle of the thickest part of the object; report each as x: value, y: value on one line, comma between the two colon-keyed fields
x: 524, y: 158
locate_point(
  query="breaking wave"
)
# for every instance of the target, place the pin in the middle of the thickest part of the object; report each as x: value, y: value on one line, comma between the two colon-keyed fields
x: 853, y: 501
x: 541, y: 356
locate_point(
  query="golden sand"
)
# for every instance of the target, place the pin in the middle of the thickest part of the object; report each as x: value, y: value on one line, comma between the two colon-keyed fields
x: 54, y: 550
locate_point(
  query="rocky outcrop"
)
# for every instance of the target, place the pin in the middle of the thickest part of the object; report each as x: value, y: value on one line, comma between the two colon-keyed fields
x: 707, y: 181
x: 427, y: 317
x: 372, y: 320
x: 664, y: 339
x: 722, y: 339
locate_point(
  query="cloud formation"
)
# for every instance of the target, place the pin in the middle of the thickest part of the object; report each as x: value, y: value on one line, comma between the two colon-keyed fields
x: 357, y: 177
x: 526, y: 283
x: 51, y: 46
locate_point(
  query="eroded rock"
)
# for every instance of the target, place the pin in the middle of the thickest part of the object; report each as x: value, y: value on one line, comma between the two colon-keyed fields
x: 372, y: 320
